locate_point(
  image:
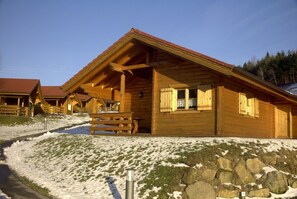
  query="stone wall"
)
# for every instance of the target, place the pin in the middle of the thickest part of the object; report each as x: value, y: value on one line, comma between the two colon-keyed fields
x: 230, y: 177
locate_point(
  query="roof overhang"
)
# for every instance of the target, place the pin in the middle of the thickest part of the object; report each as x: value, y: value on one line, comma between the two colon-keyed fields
x: 103, y: 73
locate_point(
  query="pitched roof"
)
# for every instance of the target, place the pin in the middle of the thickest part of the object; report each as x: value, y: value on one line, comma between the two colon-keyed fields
x: 136, y: 35
x: 53, y: 92
x: 83, y: 98
x: 18, y: 86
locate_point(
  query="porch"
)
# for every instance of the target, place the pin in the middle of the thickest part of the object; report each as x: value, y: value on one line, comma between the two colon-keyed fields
x: 119, y: 123
x: 13, y: 110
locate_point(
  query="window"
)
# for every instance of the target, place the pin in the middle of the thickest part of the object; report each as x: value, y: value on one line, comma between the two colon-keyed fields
x: 172, y: 99
x: 181, y: 99
x: 248, y: 105
x: 192, y: 98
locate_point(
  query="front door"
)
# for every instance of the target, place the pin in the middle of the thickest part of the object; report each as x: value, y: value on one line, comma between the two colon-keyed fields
x: 282, y: 121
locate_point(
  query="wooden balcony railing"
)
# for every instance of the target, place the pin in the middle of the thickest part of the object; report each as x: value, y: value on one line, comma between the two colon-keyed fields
x: 116, y: 122
x: 13, y: 110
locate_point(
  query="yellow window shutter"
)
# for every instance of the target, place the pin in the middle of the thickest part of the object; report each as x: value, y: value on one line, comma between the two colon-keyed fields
x: 251, y: 106
x: 167, y: 100
x: 242, y: 103
x: 256, y: 111
x: 204, y: 98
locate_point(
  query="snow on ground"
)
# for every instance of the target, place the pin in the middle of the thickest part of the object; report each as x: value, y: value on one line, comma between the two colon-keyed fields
x: 11, y: 132
x: 3, y: 195
x: 95, y: 167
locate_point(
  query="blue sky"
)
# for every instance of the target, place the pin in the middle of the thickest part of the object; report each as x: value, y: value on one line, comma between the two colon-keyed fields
x: 52, y: 40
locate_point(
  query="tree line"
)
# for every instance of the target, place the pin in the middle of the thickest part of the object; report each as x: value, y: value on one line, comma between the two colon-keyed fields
x: 277, y: 69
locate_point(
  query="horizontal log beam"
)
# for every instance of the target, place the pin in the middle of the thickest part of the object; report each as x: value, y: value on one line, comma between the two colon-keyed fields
x: 120, y: 68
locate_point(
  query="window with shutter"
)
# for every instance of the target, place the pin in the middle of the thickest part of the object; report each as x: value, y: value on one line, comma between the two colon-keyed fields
x: 186, y: 99
x: 248, y: 105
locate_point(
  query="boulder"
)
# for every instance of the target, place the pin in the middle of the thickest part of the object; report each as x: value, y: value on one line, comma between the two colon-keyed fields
x: 294, y: 185
x: 225, y: 177
x: 244, y: 175
x: 254, y: 165
x: 270, y: 158
x: 209, y: 174
x: 191, y: 176
x: 225, y: 193
x: 225, y: 164
x: 260, y: 193
x: 200, y: 190
x: 276, y: 182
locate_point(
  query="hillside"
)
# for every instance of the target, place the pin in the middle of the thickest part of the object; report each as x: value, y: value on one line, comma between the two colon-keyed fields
x: 82, y: 166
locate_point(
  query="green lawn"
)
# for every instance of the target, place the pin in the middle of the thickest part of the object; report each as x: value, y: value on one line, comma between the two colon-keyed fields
x: 14, y: 120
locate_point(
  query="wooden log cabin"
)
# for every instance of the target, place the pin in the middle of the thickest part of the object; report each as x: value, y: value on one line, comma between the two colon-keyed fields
x: 180, y: 92
x: 19, y: 96
x: 59, y: 101
x: 87, y: 104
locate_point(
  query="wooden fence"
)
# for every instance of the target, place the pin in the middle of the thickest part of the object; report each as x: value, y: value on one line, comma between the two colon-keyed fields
x: 13, y: 110
x: 116, y: 122
x: 53, y: 109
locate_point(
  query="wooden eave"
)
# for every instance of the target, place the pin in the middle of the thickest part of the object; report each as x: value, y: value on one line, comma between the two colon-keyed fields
x: 99, y: 69
x: 15, y: 94
x: 263, y: 85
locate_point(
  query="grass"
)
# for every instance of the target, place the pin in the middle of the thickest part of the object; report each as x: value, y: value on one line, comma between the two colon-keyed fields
x: 159, y: 180
x: 14, y: 120
x: 164, y: 177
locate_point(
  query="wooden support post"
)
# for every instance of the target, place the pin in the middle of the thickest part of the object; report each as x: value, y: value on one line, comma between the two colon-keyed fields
x: 122, y: 93
x: 19, y: 106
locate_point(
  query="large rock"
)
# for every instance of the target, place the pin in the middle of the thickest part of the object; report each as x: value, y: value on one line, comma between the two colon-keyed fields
x: 191, y: 176
x: 226, y: 177
x: 294, y: 185
x: 225, y: 193
x: 200, y: 190
x: 260, y: 193
x: 276, y: 182
x: 270, y: 158
x: 209, y: 174
x: 254, y: 165
x: 225, y: 164
x: 244, y: 175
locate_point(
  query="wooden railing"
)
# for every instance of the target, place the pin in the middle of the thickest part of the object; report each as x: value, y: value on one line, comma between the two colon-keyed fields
x: 116, y: 122
x: 53, y: 109
x: 13, y: 110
